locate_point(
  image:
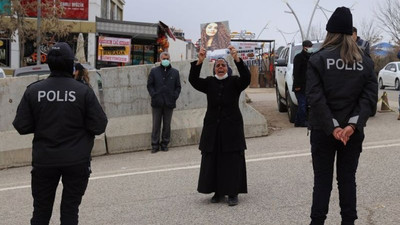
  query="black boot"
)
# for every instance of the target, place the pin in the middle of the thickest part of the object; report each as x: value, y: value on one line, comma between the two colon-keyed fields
x: 216, y: 198
x: 233, y: 200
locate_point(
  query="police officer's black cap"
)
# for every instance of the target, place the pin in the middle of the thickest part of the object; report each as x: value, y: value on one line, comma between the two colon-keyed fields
x: 61, y: 58
x: 341, y: 21
x: 307, y: 43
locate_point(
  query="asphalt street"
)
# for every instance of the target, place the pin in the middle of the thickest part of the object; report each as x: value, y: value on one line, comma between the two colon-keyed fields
x: 143, y: 188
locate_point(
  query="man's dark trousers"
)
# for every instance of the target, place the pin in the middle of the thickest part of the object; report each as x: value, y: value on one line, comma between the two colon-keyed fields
x: 324, y: 148
x: 301, y: 115
x: 44, y: 185
x: 163, y: 114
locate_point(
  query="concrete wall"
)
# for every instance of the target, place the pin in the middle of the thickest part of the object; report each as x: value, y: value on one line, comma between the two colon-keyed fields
x: 126, y: 102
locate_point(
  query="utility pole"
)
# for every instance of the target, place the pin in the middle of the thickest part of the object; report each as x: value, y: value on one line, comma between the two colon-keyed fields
x: 39, y: 16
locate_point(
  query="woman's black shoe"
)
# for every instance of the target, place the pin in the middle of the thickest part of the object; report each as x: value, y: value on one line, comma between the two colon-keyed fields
x: 216, y: 198
x: 233, y: 200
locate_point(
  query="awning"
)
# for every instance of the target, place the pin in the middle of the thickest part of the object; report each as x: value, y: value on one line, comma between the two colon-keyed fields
x: 135, y: 29
x: 167, y: 30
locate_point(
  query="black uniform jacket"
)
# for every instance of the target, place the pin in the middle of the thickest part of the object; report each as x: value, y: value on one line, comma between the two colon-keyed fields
x: 223, y: 122
x: 299, y: 70
x: 164, y: 86
x: 64, y: 115
x: 339, y: 94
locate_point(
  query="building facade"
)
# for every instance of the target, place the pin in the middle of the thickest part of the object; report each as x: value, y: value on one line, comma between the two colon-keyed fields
x: 108, y: 40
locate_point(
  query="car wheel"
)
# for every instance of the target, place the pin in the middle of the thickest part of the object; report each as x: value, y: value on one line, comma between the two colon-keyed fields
x: 396, y: 84
x: 381, y: 84
x: 281, y: 107
x: 291, y: 108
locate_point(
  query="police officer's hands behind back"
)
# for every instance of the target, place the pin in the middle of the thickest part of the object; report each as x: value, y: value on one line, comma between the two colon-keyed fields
x: 343, y: 134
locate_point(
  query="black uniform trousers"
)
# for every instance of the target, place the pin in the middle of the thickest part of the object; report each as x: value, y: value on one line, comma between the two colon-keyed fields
x: 163, y: 114
x: 323, y: 149
x: 44, y: 185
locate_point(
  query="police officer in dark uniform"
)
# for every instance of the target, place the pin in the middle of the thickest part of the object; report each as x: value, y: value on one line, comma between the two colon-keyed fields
x: 64, y: 115
x: 341, y: 91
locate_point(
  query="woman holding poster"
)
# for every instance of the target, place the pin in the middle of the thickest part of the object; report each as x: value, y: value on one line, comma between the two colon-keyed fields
x: 222, y: 142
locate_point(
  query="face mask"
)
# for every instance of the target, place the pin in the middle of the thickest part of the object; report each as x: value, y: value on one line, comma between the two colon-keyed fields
x: 165, y: 62
x: 309, y: 50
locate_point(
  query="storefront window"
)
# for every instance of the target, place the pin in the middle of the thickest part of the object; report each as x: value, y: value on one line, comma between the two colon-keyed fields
x: 142, y: 54
x: 30, y: 52
x: 4, y: 52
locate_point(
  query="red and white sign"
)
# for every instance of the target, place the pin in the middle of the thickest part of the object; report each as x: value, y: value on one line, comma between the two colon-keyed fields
x: 73, y: 9
x: 246, y: 50
x: 114, y: 49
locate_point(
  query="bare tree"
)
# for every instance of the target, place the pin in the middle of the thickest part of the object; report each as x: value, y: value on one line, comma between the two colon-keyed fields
x: 16, y: 23
x: 388, y: 15
x: 369, y: 32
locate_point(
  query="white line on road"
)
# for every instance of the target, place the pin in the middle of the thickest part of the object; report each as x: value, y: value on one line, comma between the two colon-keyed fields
x: 197, y: 166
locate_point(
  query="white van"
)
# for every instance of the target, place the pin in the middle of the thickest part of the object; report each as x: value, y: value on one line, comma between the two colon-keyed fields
x: 285, y: 97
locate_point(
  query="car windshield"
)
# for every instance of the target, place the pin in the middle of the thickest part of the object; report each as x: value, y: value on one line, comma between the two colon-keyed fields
x: 297, y: 49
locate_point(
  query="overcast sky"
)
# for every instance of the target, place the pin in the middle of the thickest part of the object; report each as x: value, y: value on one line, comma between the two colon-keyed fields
x: 249, y: 15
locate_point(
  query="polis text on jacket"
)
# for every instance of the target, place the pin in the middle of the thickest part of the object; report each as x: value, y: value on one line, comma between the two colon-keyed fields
x: 340, y: 65
x: 57, y: 96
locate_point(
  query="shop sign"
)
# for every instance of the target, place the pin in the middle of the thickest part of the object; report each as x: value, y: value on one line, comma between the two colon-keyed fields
x: 243, y: 34
x: 114, y: 49
x: 246, y: 50
x: 73, y: 9
x: 32, y: 59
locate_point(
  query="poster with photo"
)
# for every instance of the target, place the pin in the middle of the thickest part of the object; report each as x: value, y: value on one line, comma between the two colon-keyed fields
x: 215, y: 38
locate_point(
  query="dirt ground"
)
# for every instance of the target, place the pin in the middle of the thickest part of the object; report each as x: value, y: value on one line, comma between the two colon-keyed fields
x: 264, y: 101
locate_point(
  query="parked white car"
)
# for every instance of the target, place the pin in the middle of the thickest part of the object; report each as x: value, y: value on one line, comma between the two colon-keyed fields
x: 285, y: 97
x: 389, y: 76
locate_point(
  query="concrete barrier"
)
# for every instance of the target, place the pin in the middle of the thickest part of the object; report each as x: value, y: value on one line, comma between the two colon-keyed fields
x: 16, y: 149
x: 126, y: 102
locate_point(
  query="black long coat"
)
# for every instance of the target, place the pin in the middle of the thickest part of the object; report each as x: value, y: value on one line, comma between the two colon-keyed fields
x: 300, y: 70
x: 223, y: 121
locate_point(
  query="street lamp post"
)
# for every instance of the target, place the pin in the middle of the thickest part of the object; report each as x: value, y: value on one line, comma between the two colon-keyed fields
x: 312, y: 16
x: 39, y: 15
x: 265, y: 27
x: 297, y: 19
